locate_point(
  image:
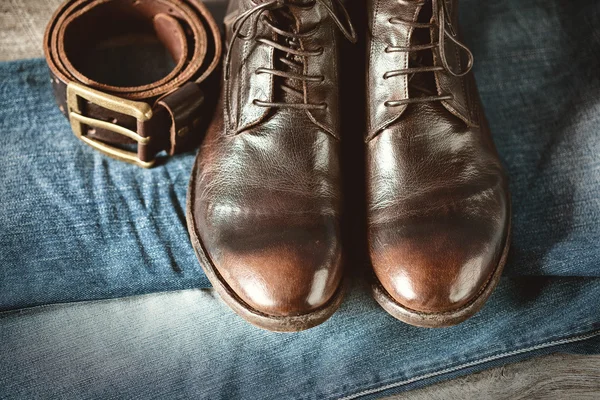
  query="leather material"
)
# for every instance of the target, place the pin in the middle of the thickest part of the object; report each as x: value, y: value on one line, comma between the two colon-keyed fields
x: 438, y: 201
x: 241, y: 110
x: 327, y: 90
x: 381, y: 35
x: 267, y: 178
x: 463, y: 104
x: 187, y: 31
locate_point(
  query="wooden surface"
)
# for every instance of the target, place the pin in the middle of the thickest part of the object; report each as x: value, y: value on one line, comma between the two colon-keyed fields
x: 555, y: 377
x: 22, y: 24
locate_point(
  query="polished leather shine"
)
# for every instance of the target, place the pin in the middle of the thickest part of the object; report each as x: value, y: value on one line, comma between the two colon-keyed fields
x: 438, y: 202
x: 187, y: 31
x: 264, y: 201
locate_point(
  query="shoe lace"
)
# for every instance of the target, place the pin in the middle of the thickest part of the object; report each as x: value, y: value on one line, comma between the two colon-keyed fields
x: 441, y: 21
x: 291, y: 49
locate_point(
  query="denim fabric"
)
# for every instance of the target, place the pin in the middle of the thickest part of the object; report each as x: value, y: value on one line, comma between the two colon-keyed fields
x: 75, y: 225
x: 188, y: 344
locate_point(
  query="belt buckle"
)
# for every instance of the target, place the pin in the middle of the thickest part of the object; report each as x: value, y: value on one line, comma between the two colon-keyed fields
x: 139, y: 110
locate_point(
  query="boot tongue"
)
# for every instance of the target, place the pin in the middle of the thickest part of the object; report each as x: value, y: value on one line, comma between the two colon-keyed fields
x: 298, y: 17
x: 307, y: 14
x: 422, y: 84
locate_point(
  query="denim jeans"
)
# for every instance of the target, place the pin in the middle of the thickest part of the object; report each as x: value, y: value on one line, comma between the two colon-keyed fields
x: 76, y: 226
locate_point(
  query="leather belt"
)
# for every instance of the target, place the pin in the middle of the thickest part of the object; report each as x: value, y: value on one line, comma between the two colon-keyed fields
x: 157, y: 116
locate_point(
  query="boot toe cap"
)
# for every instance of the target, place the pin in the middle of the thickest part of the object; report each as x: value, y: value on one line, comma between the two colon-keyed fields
x: 283, y: 280
x: 436, y: 269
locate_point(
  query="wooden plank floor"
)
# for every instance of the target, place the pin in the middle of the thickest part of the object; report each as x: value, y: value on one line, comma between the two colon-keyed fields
x: 555, y: 377
x: 22, y: 24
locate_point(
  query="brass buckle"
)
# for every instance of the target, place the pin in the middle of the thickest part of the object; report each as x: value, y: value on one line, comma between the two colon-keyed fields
x: 139, y: 110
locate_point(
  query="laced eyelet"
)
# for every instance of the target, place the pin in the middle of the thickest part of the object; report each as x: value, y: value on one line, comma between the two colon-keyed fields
x: 267, y: 11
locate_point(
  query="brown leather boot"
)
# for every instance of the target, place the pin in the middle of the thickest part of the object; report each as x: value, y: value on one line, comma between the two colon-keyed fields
x: 438, y: 201
x: 264, y: 200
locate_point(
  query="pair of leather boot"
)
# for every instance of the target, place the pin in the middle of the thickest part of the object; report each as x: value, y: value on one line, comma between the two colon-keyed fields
x: 265, y: 196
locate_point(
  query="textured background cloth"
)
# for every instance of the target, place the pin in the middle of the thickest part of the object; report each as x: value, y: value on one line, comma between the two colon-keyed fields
x: 75, y: 226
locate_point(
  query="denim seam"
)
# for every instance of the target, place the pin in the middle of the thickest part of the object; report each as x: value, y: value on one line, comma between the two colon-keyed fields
x: 543, y: 345
x: 582, y: 327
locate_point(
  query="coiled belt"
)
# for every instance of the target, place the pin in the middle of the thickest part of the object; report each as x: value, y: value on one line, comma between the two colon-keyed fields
x: 157, y: 116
